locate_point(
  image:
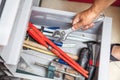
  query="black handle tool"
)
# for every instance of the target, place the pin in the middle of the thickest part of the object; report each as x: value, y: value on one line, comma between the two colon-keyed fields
x: 92, y: 59
x: 83, y: 60
x: 84, y: 57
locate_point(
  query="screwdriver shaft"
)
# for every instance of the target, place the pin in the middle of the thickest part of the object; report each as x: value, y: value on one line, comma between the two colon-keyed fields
x: 45, y: 66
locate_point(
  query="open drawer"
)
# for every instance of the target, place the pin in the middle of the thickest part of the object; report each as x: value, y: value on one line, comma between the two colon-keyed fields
x: 49, y: 17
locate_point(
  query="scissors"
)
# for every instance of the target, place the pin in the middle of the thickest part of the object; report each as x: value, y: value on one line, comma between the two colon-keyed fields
x: 43, y: 40
x: 62, y: 34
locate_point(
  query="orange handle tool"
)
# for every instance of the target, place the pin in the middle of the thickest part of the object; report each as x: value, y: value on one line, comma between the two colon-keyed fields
x: 38, y: 36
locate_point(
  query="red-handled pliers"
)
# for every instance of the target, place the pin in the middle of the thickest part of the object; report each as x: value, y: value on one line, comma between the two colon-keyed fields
x: 43, y: 40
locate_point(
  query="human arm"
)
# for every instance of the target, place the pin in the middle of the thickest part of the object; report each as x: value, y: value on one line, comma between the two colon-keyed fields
x: 85, y: 18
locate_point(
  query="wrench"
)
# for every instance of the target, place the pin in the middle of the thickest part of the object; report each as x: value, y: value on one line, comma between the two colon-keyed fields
x: 62, y: 34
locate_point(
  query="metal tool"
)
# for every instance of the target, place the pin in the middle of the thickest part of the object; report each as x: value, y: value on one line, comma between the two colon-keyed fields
x: 71, y: 71
x: 91, y: 45
x: 53, y: 69
x: 84, y: 57
x: 23, y: 65
x: 62, y: 34
x: 60, y: 61
x: 37, y: 47
x: 41, y: 39
x: 83, y: 60
x: 49, y: 32
x: 50, y: 71
x: 92, y: 59
x: 61, y: 44
x: 24, y: 68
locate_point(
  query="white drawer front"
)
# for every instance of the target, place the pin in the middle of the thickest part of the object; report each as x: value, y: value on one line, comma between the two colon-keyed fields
x: 7, y: 19
x: 10, y: 52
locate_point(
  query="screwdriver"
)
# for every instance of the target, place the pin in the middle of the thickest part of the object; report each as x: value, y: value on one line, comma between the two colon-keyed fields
x: 53, y: 69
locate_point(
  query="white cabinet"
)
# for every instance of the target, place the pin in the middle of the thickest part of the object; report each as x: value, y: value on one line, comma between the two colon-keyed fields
x: 8, y: 18
x: 15, y: 29
x: 13, y: 24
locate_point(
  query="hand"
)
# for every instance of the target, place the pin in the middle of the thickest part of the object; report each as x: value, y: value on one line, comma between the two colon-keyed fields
x: 84, y: 20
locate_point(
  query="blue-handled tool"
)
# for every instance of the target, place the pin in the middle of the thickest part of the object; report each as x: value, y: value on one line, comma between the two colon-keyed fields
x: 60, y: 44
x: 52, y: 69
x: 61, y: 61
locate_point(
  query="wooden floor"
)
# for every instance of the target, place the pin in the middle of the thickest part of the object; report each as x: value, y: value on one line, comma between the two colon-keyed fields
x: 113, y: 12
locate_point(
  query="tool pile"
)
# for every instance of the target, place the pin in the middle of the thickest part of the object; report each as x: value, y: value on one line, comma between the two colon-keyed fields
x: 63, y: 65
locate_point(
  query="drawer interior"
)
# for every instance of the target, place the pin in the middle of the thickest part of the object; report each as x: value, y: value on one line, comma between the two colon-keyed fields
x: 55, y: 18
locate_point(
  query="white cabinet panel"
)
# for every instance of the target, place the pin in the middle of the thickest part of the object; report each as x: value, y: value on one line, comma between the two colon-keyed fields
x: 7, y: 20
x: 10, y: 52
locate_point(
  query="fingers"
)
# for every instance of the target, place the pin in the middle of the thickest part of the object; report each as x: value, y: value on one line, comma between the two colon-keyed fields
x: 84, y: 20
x: 77, y: 25
x: 76, y: 20
x: 88, y: 26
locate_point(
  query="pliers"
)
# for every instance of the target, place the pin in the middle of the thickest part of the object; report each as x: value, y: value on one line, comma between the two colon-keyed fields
x: 43, y: 40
